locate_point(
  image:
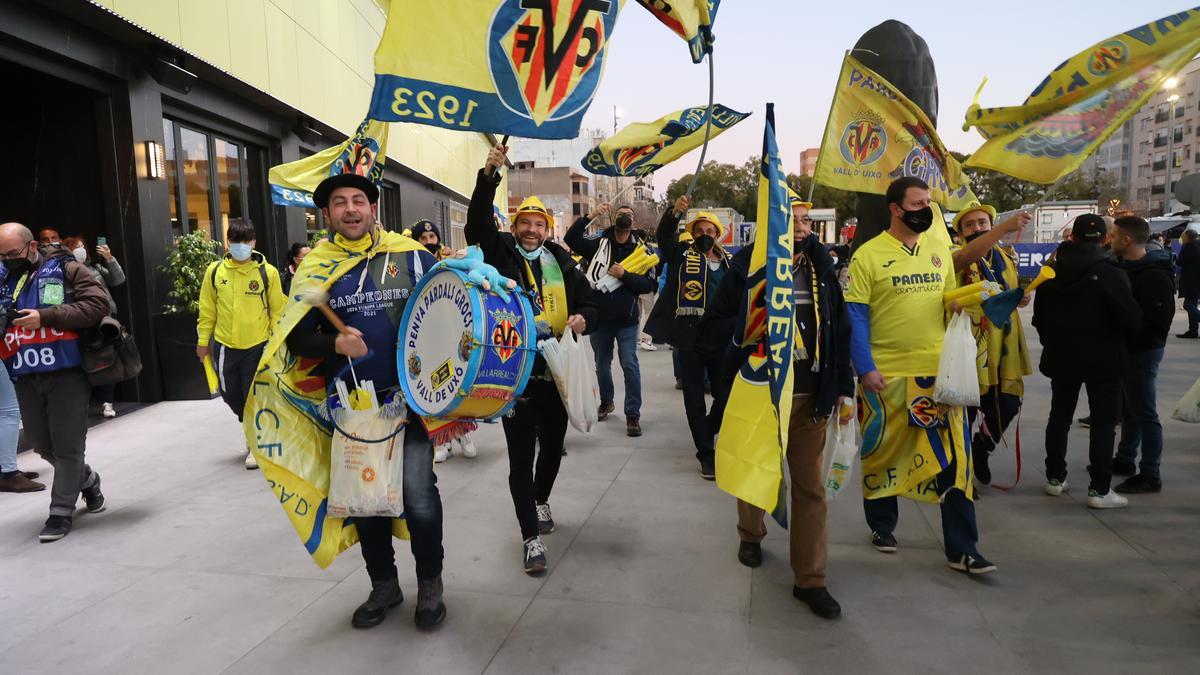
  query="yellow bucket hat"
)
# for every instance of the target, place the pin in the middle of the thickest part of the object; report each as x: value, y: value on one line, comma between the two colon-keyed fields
x: 535, y: 205
x: 795, y: 200
x: 705, y: 215
x: 974, y: 206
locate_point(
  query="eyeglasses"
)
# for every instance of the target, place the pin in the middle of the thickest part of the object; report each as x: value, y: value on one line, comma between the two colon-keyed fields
x: 806, y: 220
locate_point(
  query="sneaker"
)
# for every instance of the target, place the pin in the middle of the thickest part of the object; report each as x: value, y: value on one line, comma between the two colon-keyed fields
x: 545, y: 520
x: 535, y: 556
x: 972, y: 564
x: 384, y: 596
x: 819, y: 601
x: 1055, y: 487
x: 647, y: 346
x: 707, y: 470
x: 19, y: 482
x: 1086, y: 422
x: 431, y: 611
x: 251, y: 462
x: 603, y: 412
x: 93, y: 497
x: 467, y: 446
x: 1108, y: 500
x: 441, y: 453
x: 750, y: 554
x: 1189, y: 335
x: 107, y: 411
x: 56, y: 528
x: 633, y: 426
x: 678, y: 384
x: 1140, y: 484
x: 1121, y: 467
x: 884, y: 542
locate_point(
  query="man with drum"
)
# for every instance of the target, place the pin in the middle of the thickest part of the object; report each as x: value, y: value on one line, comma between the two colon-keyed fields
x: 562, y: 299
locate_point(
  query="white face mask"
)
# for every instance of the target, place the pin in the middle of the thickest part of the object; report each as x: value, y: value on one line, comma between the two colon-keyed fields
x: 240, y: 252
x: 80, y: 254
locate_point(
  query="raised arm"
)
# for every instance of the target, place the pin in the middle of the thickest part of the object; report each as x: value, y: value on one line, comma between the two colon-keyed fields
x: 481, y: 226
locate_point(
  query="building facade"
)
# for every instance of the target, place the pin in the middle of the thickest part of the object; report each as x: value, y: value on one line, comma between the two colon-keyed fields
x: 1165, y: 132
x: 142, y: 120
x: 567, y: 193
x: 1115, y: 158
x: 808, y: 161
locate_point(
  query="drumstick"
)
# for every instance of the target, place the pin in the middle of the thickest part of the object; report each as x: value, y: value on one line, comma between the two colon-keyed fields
x: 319, y: 298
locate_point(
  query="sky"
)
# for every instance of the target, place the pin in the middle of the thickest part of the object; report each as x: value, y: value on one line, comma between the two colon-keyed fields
x: 789, y: 52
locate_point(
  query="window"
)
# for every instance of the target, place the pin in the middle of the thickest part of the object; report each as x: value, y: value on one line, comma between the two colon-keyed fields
x: 207, y: 179
x: 1143, y: 171
x: 389, y: 207
x: 172, y: 176
x: 1047, y: 218
x: 574, y: 188
x: 1146, y: 124
x: 577, y: 210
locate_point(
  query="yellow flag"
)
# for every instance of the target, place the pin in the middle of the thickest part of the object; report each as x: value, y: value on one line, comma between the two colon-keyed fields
x: 643, y: 148
x: 754, y: 431
x: 875, y: 135
x: 691, y: 20
x: 364, y: 153
x: 514, y: 67
x: 1083, y: 101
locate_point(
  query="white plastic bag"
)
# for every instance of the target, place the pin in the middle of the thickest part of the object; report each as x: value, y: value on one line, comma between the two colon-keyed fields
x: 841, y: 447
x: 1188, y: 409
x: 366, y: 472
x: 574, y: 370
x: 958, y: 377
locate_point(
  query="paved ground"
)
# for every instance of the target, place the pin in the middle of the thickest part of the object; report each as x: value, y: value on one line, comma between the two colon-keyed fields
x: 194, y: 569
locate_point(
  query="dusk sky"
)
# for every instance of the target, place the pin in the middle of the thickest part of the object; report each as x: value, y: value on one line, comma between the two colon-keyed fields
x: 790, y: 51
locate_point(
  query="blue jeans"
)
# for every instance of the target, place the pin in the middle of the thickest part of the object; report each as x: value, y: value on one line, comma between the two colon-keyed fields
x: 10, y: 422
x: 602, y: 345
x: 1139, y: 412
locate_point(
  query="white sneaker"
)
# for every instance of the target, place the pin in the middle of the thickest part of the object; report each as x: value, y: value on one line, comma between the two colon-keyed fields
x: 467, y: 447
x: 251, y: 463
x: 1055, y: 487
x: 107, y: 411
x: 441, y: 453
x: 1110, y: 500
x: 647, y: 346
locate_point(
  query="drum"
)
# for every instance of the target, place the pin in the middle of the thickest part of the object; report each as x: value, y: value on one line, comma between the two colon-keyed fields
x: 464, y: 352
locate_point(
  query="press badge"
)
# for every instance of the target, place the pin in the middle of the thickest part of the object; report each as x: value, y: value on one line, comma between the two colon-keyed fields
x: 50, y: 291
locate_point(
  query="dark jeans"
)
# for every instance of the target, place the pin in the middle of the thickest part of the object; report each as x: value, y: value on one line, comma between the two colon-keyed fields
x: 422, y: 513
x: 1191, y: 305
x: 539, y: 418
x: 1139, y: 412
x: 703, y: 421
x: 960, y: 533
x: 54, y: 412
x: 1104, y: 400
x: 998, y: 410
x: 104, y: 393
x: 602, y: 345
x: 236, y: 370
x: 677, y: 364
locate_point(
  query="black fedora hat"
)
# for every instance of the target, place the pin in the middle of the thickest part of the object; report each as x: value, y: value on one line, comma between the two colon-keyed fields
x: 350, y: 180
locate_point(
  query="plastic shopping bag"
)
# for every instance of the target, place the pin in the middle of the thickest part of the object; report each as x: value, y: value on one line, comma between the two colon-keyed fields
x: 367, y: 459
x: 574, y: 371
x: 1188, y: 409
x: 841, y: 447
x: 957, y: 378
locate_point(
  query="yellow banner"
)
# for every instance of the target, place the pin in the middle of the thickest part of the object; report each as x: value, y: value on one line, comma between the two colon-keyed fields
x: 691, y: 20
x: 875, y: 135
x: 364, y: 153
x: 643, y: 148
x: 1083, y: 101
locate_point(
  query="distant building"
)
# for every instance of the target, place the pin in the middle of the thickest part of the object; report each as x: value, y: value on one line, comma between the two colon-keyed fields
x: 565, y: 192
x: 808, y: 161
x: 1155, y: 132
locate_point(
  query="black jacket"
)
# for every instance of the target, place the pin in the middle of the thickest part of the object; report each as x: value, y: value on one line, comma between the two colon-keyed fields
x: 663, y: 325
x: 1085, y: 316
x: 1153, y: 283
x: 618, y: 309
x: 500, y: 251
x: 1189, y: 266
x: 836, y: 376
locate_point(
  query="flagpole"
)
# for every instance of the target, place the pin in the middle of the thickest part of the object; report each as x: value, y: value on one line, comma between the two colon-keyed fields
x: 707, y: 127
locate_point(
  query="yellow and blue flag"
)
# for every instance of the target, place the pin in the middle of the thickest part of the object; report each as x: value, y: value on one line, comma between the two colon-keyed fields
x: 875, y: 135
x: 754, y: 431
x: 691, y: 20
x: 364, y: 153
x: 645, y: 147
x: 514, y: 67
x: 1083, y: 101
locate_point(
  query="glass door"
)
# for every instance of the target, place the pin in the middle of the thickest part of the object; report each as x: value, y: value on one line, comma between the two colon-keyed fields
x: 207, y: 177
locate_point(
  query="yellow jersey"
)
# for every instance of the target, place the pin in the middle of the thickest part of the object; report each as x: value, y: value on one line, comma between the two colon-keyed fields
x: 235, y: 306
x: 903, y: 290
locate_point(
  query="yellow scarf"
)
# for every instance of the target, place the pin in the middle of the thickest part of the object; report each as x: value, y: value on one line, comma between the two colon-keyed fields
x: 551, y: 297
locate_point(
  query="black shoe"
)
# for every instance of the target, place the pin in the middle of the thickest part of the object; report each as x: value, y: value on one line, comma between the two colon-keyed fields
x: 1139, y: 485
x: 979, y: 464
x: 605, y: 409
x: 56, y: 528
x: 633, y: 426
x: 1121, y: 467
x: 707, y: 470
x: 1086, y: 422
x: 819, y: 601
x: 384, y: 596
x: 1190, y: 335
x: 535, y: 556
x: 971, y: 564
x: 678, y: 384
x: 94, y: 497
x: 750, y: 554
x: 431, y: 611
x: 884, y: 543
x: 545, y: 520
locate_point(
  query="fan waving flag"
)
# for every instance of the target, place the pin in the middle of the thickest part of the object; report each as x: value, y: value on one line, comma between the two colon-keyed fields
x: 754, y: 431
x: 514, y: 67
x: 875, y: 135
x: 1083, y: 101
x: 643, y: 148
x: 691, y: 20
x: 292, y: 184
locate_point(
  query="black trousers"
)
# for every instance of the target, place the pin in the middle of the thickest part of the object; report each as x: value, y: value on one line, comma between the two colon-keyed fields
x: 960, y: 532
x: 998, y: 410
x: 54, y: 413
x: 235, y: 368
x: 704, y: 422
x: 538, y: 419
x: 1104, y: 402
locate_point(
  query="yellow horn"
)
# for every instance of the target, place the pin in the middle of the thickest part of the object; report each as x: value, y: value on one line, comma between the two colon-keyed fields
x: 1045, y: 274
x: 963, y: 291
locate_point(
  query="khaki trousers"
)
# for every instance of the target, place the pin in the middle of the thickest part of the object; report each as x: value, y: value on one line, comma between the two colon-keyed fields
x: 806, y: 444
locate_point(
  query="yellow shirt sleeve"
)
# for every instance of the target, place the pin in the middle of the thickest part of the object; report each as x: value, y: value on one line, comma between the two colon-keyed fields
x: 275, y: 298
x: 861, y: 282
x: 208, y: 307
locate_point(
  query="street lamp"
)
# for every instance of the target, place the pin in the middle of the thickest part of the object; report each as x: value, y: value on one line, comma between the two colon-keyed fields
x: 1172, y: 99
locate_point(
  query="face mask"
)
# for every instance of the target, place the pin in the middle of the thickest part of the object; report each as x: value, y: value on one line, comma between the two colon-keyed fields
x: 918, y: 221
x: 433, y: 248
x: 624, y: 222
x: 18, y: 266
x: 530, y: 255
x: 80, y: 254
x: 973, y: 236
x: 240, y: 252
x: 704, y: 243
x: 803, y: 245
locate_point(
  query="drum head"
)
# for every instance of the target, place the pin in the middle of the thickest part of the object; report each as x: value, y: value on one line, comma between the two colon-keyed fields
x: 437, y: 336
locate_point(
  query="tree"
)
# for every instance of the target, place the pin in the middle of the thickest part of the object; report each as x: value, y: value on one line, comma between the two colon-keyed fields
x: 721, y: 185
x: 824, y: 197
x: 998, y: 189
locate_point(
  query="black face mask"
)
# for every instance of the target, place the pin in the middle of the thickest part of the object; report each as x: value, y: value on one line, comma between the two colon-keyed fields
x: 973, y: 236
x: 803, y: 245
x: 705, y: 243
x: 433, y: 248
x: 624, y: 222
x: 918, y: 221
x: 18, y: 266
